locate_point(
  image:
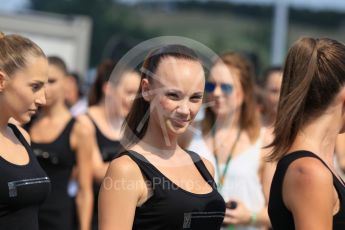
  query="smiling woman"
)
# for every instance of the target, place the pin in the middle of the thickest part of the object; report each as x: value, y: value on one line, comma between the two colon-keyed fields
x: 23, y: 184
x: 155, y: 184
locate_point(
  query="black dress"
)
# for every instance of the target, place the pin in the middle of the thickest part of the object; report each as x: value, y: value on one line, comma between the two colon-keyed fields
x: 281, y: 218
x: 57, y: 159
x: 23, y: 188
x: 171, y: 207
x: 109, y: 149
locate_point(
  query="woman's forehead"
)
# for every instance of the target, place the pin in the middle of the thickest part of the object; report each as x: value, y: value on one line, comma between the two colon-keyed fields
x: 176, y: 71
x: 222, y: 73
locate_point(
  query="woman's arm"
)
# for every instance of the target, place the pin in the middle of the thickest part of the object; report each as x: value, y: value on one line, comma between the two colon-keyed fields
x: 83, y: 143
x: 266, y: 169
x: 99, y: 166
x: 120, y: 194
x: 309, y: 194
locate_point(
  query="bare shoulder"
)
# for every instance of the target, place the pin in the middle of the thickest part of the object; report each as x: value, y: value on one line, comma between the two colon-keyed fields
x: 307, y: 180
x: 124, y: 172
x: 120, y: 194
x: 83, y: 126
x: 82, y: 134
x: 309, y: 194
x: 308, y: 169
x: 85, y: 122
x: 124, y: 167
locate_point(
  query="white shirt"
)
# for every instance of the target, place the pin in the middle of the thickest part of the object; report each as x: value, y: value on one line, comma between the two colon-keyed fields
x: 242, y: 180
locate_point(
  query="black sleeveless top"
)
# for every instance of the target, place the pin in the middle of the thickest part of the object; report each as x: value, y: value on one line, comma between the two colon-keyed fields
x: 171, y: 207
x: 108, y: 148
x: 281, y: 218
x: 57, y: 159
x: 23, y: 188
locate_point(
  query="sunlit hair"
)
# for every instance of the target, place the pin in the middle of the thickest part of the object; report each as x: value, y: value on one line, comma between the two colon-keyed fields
x: 15, y: 53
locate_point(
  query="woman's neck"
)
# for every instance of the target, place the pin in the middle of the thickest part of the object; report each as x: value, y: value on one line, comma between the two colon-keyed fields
x: 54, y: 110
x: 318, y: 137
x: 4, y: 118
x: 156, y: 138
x: 228, y: 122
x: 113, y: 119
x: 3, y: 123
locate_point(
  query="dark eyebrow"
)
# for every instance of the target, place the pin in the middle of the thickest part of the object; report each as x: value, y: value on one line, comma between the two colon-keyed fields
x: 39, y: 82
x: 174, y: 91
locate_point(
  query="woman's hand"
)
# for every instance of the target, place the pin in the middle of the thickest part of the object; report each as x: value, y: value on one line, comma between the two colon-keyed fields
x: 237, y: 216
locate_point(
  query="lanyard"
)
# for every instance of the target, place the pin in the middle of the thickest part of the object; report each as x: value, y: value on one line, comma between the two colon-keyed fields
x: 221, y: 176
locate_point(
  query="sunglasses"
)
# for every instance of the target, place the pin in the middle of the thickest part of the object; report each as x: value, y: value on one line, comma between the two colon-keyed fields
x: 225, y: 87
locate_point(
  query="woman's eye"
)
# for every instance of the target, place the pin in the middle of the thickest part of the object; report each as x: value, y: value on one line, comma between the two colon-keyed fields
x: 35, y: 87
x: 196, y: 98
x: 172, y: 95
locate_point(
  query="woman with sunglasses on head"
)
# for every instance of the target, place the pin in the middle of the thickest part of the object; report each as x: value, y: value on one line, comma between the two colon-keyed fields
x: 109, y: 102
x: 155, y: 184
x: 61, y: 142
x: 230, y: 139
x: 23, y: 184
x: 306, y: 192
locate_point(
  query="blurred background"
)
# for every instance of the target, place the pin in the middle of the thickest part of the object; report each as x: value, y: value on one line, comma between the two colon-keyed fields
x: 84, y: 32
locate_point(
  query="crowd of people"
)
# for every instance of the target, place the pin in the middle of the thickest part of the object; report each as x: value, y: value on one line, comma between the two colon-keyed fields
x: 169, y: 145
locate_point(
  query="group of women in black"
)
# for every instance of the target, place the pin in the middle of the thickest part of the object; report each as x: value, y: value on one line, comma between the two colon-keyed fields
x: 130, y: 153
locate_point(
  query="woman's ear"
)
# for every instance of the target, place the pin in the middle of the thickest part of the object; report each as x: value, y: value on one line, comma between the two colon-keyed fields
x: 107, y: 88
x: 2, y: 81
x: 145, y: 90
x: 341, y: 98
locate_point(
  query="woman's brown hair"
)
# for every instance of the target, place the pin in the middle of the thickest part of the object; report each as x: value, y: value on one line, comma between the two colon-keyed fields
x: 314, y: 72
x: 106, y: 73
x: 104, y: 70
x: 249, y: 116
x: 58, y: 63
x: 137, y: 120
x: 15, y: 52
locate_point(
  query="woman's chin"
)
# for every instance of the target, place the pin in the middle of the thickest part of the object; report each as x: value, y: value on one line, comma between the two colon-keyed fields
x: 176, y: 129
